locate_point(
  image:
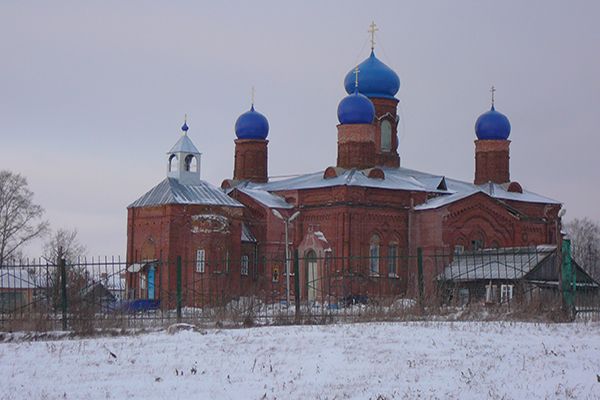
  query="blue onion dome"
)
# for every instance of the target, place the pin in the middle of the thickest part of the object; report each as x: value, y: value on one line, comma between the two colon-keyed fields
x: 252, y: 125
x: 376, y: 79
x: 492, y: 125
x: 185, y: 127
x: 356, y: 109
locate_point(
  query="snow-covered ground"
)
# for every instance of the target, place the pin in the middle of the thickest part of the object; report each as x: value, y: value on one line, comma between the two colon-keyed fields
x: 438, y: 360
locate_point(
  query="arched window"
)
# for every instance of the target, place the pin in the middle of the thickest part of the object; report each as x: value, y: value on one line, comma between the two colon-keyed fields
x: 173, y: 163
x: 191, y: 164
x: 386, y: 135
x: 374, y: 255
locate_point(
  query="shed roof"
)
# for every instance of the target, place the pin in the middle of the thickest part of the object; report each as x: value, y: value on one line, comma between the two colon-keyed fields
x: 496, y: 264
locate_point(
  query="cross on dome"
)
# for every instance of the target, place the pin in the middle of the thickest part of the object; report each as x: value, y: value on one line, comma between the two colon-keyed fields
x: 252, y: 95
x: 493, y: 90
x: 372, y: 29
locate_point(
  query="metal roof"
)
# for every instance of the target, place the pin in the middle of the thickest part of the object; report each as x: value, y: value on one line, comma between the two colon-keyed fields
x: 184, y: 145
x: 171, y: 191
x: 450, y: 190
x: 496, y: 264
x: 267, y: 199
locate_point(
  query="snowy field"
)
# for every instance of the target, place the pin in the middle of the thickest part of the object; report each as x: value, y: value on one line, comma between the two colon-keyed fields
x: 421, y: 360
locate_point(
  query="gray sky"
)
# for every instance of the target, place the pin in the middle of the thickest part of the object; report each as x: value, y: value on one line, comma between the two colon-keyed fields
x: 92, y: 94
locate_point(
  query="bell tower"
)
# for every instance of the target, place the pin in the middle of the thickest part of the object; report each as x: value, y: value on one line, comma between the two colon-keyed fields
x: 183, y: 160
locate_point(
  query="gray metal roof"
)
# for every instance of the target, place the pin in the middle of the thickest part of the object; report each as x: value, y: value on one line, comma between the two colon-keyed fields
x: 496, y: 264
x: 267, y: 199
x: 171, y: 191
x: 184, y: 145
x: 450, y: 190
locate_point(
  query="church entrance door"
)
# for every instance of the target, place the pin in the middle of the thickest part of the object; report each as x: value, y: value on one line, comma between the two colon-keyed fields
x: 151, y: 276
x: 312, y: 275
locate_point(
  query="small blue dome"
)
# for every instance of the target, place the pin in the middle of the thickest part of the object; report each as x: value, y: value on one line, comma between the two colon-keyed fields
x: 252, y: 125
x: 185, y: 127
x: 375, y: 79
x: 356, y: 109
x: 492, y: 125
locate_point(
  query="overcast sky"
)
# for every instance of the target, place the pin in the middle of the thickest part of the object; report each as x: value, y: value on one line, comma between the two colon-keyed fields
x: 92, y: 94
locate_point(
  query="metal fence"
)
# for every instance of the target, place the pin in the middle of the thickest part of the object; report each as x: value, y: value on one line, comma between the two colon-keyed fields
x: 110, y: 293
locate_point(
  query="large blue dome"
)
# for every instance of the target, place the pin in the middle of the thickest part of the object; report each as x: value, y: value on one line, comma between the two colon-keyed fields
x: 375, y: 79
x: 356, y: 109
x: 252, y: 125
x: 492, y: 125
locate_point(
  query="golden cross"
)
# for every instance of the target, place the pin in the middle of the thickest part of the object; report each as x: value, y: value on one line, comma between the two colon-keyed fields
x: 253, y: 95
x: 356, y: 71
x: 493, y: 89
x: 372, y: 29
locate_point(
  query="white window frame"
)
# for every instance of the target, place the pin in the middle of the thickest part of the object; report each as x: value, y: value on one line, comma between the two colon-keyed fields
x: 244, y: 264
x: 200, y: 261
x: 506, y: 293
x: 491, y: 295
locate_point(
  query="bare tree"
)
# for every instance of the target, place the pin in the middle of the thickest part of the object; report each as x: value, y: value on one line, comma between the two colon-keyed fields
x: 63, y: 244
x: 20, y: 217
x: 585, y: 243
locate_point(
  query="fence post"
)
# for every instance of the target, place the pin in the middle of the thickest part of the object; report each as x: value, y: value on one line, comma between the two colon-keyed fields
x: 179, y: 292
x: 63, y: 291
x: 568, y: 279
x: 297, y: 283
x: 420, y: 274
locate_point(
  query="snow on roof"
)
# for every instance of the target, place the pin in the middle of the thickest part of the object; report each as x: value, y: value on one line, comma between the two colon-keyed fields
x: 401, y: 179
x: 171, y: 191
x: 267, y: 199
x: 450, y: 190
x: 349, y: 177
x: 496, y: 264
x: 441, y: 201
x: 22, y: 278
x: 184, y: 145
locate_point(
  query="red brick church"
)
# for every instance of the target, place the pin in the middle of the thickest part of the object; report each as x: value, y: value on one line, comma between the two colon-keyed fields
x: 364, y: 212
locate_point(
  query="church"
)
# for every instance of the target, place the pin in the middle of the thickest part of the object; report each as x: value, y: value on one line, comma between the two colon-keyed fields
x: 365, y: 214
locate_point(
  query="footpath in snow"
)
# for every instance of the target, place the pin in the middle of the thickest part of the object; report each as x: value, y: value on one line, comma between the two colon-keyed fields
x: 425, y: 360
